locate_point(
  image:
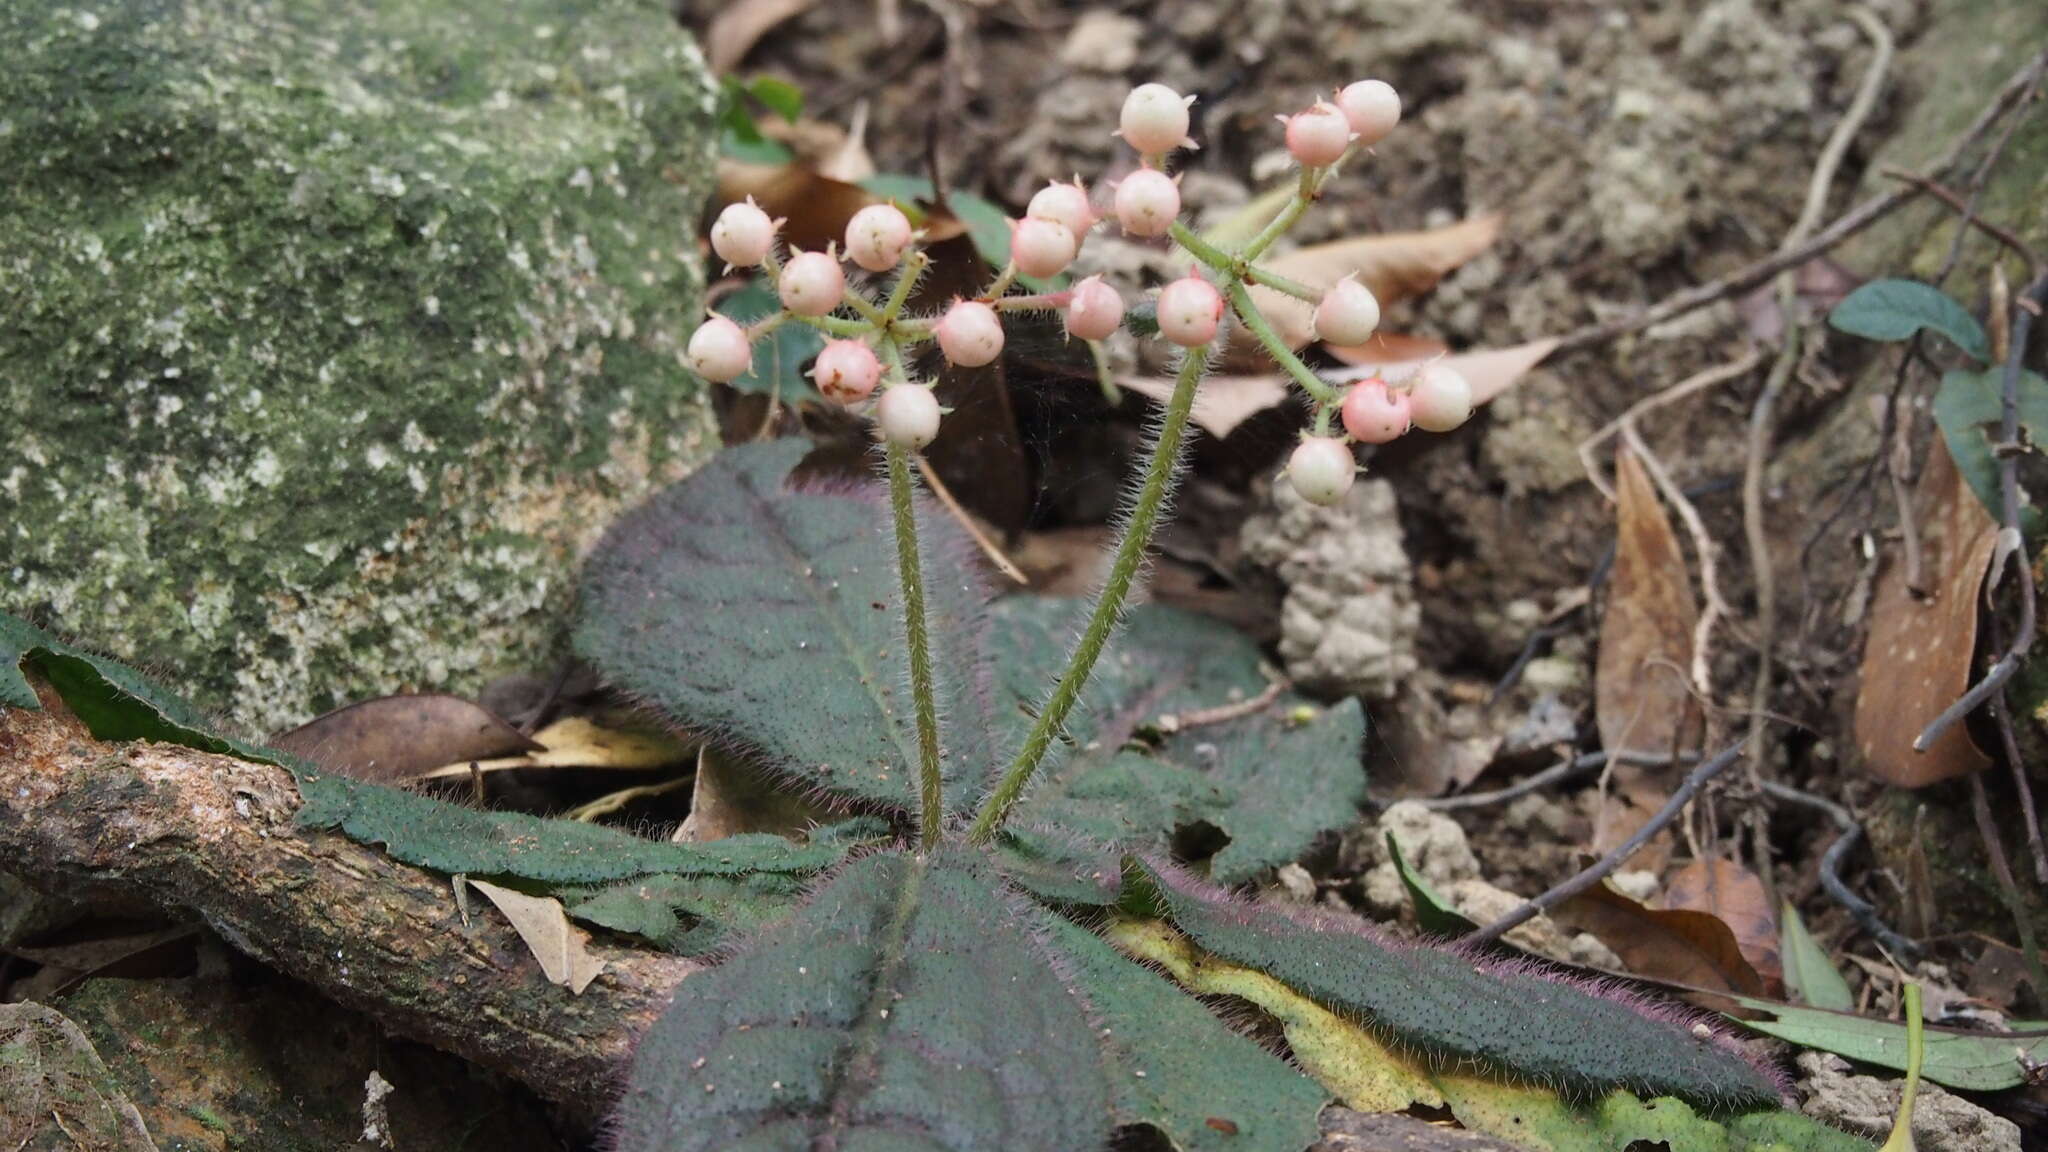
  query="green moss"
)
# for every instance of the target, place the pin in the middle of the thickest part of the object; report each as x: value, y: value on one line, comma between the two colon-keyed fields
x: 337, y: 329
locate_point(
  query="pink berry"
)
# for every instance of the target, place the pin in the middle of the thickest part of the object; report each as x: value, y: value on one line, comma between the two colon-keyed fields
x: 1189, y: 309
x: 1321, y: 469
x: 1042, y: 247
x: 846, y: 371
x: 1372, y: 107
x: 1374, y: 413
x: 812, y: 284
x: 1066, y: 203
x: 970, y: 334
x: 1348, y: 313
x: 742, y: 234
x: 1317, y: 138
x: 1155, y: 119
x: 1147, y: 202
x: 1440, y: 398
x: 719, y: 350
x: 1094, y: 311
x: 877, y: 236
x: 908, y: 416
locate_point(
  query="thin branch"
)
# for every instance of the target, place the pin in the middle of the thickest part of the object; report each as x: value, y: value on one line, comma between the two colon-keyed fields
x: 988, y: 547
x: 1555, y: 774
x: 1859, y: 909
x: 1969, y: 216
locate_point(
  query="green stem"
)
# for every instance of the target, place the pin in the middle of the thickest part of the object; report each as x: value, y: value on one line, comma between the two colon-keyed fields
x: 1256, y: 323
x: 1109, y: 603
x: 1104, y: 374
x: 1216, y: 258
x: 1279, y: 283
x: 1901, y: 1139
x: 1285, y: 219
x: 1041, y: 302
x: 868, y: 311
x: 905, y: 281
x: 838, y: 325
x: 910, y: 573
x: 1002, y: 283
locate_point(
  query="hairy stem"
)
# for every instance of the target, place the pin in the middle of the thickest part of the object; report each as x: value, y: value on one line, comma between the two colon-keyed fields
x: 1216, y: 258
x: 1311, y: 184
x: 910, y: 573
x: 1256, y: 323
x: 1109, y: 603
x: 1278, y: 283
x: 905, y: 282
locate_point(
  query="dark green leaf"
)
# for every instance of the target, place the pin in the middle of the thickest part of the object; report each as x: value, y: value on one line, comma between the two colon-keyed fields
x: 1970, y: 408
x: 691, y: 915
x: 1175, y: 1067
x: 782, y: 98
x: 750, y: 147
x: 1896, y: 309
x: 1809, y: 977
x: 986, y: 223
x: 779, y: 357
x: 770, y: 617
x: 907, y: 1006
x: 1433, y: 913
x: 1969, y: 1061
x: 1504, y: 1017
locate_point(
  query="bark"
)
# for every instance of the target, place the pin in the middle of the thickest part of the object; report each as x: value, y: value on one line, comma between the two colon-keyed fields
x: 215, y: 836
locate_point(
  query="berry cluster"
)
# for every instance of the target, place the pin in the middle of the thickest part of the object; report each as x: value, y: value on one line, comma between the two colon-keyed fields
x: 870, y: 333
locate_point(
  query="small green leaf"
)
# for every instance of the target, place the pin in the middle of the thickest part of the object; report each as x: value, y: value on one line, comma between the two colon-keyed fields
x: 1809, y: 977
x: 690, y: 915
x: 1175, y: 1067
x: 986, y: 223
x: 1970, y: 409
x: 906, y: 1006
x: 1892, y: 310
x: 1969, y: 1061
x: 782, y: 98
x: 779, y: 357
x: 1433, y: 913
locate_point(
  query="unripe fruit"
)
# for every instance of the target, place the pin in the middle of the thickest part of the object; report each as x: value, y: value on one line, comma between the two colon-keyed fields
x: 1189, y: 309
x: 1317, y: 138
x: 1347, y: 314
x: 1066, y: 203
x: 1440, y: 399
x: 1372, y: 107
x: 1042, y: 247
x: 1094, y: 311
x: 1155, y: 119
x: 1374, y: 413
x: 719, y: 350
x: 907, y: 415
x: 970, y: 334
x: 877, y: 236
x: 742, y: 234
x: 1321, y: 469
x: 846, y: 371
x: 812, y: 284
x: 1147, y: 202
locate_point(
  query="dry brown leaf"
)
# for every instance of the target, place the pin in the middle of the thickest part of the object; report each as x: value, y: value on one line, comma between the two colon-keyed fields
x: 1395, y: 265
x: 1733, y: 894
x: 740, y: 25
x: 578, y: 742
x: 729, y: 799
x: 396, y: 738
x: 1221, y: 402
x: 1388, y: 348
x: 1641, y: 698
x: 1918, y: 658
x: 562, y: 949
x: 814, y: 208
x: 1686, y: 947
x: 1490, y: 371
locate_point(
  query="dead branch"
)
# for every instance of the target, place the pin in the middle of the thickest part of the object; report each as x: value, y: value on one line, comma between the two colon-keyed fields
x: 216, y: 836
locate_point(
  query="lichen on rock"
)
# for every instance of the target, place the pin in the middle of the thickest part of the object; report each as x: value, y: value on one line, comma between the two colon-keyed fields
x: 337, y: 330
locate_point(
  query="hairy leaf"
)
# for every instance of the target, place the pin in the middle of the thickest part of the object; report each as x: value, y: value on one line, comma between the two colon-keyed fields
x: 769, y: 618
x: 1175, y: 1067
x: 1896, y: 309
x: 906, y: 1006
x: 690, y: 915
x: 1509, y: 1018
x: 1271, y: 780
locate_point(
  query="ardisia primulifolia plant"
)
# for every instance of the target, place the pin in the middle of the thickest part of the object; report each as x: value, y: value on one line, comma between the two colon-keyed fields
x: 1014, y: 936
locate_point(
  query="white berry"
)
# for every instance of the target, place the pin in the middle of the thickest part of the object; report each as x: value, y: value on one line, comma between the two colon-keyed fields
x: 719, y: 350
x: 1155, y: 119
x: 812, y: 284
x: 1348, y: 313
x: 908, y: 416
x: 1066, y: 203
x: 1094, y: 311
x: 1372, y: 107
x: 877, y: 236
x: 1189, y: 309
x: 1042, y: 247
x: 1147, y: 202
x: 1440, y: 398
x: 970, y: 334
x: 1321, y: 469
x: 742, y: 234
x: 846, y: 371
x: 1317, y: 137
x: 1374, y: 413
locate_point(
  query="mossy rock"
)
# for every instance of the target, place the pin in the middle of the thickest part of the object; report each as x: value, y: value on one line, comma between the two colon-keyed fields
x: 337, y: 329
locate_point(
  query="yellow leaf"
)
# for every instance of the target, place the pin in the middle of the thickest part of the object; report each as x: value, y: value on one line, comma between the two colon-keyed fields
x: 562, y: 949
x: 1395, y: 265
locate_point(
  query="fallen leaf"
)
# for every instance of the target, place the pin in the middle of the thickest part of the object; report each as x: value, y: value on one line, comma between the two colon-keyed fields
x: 1917, y: 660
x: 1969, y: 1061
x: 1678, y: 945
x: 1641, y: 697
x: 1237, y: 229
x: 562, y: 949
x: 1809, y: 977
x: 579, y: 742
x: 1221, y: 402
x: 1490, y: 371
x: 1996, y: 975
x: 1387, y: 348
x: 1733, y: 894
x: 1395, y: 265
x: 814, y: 208
x: 740, y: 25
x: 730, y: 799
x: 396, y: 738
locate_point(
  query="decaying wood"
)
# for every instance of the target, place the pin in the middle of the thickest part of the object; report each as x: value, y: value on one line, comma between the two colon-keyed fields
x: 215, y: 835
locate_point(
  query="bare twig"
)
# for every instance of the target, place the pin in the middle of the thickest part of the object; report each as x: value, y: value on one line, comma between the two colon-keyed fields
x: 988, y: 547
x: 1994, y: 849
x: 1224, y: 713
x: 1859, y: 909
x: 1969, y: 216
x: 1605, y: 866
x: 1557, y: 773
